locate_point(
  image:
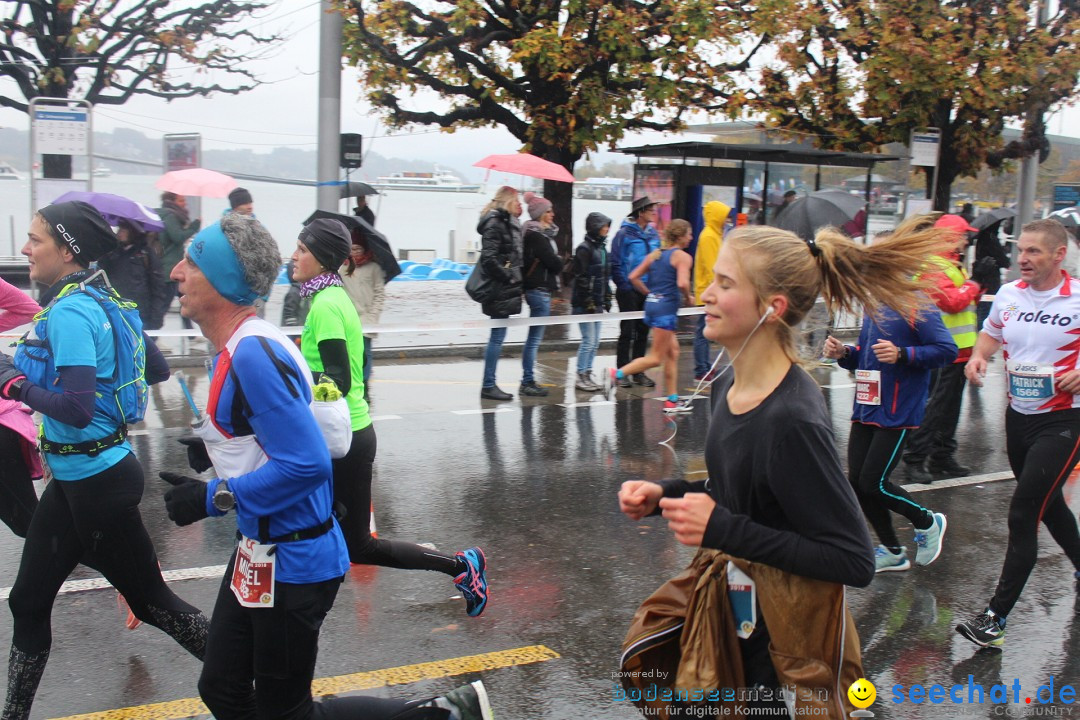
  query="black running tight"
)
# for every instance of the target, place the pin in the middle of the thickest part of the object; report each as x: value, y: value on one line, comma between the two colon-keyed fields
x: 873, y: 453
x: 96, y: 519
x: 1043, y: 449
x: 352, y: 488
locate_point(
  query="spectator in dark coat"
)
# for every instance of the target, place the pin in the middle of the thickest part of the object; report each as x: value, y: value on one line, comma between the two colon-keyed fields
x: 990, y: 259
x: 134, y: 269
x: 500, y: 259
x: 542, y: 266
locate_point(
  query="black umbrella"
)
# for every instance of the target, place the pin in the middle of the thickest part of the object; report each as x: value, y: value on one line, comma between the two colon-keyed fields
x: 354, y: 188
x: 818, y: 209
x: 1069, y: 217
x: 993, y: 217
x: 375, y: 240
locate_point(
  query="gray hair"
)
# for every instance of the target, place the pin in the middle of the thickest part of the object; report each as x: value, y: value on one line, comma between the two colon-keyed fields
x: 255, y: 248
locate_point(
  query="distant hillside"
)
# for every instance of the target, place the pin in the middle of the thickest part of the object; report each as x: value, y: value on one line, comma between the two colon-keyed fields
x: 282, y: 162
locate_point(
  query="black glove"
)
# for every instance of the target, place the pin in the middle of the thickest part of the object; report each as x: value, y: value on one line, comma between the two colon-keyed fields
x: 607, y: 305
x: 197, y: 457
x: 8, y: 372
x: 186, y: 500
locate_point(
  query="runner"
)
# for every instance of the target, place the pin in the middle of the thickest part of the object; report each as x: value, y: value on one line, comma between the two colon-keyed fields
x: 333, y: 344
x: 67, y: 370
x: 776, y: 496
x: 668, y: 271
x: 892, y: 361
x: 1032, y: 320
x: 273, y: 471
x: 18, y: 431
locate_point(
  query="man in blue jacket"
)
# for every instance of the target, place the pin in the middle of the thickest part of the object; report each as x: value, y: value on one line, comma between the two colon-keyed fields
x: 637, y: 237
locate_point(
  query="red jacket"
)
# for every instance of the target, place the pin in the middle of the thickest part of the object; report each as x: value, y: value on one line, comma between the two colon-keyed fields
x: 952, y: 299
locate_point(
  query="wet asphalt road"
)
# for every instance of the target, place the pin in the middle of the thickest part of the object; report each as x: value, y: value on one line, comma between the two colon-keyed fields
x: 534, y: 484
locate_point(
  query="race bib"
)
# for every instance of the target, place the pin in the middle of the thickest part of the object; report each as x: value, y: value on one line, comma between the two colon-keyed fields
x: 742, y: 594
x: 253, y: 574
x: 868, y: 387
x: 1028, y: 381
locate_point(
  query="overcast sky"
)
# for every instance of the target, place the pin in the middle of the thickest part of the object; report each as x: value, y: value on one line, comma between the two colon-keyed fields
x: 283, y: 112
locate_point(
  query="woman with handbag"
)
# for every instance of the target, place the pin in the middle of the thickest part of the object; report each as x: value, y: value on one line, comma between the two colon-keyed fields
x: 332, y: 343
x: 776, y: 496
x: 501, y: 263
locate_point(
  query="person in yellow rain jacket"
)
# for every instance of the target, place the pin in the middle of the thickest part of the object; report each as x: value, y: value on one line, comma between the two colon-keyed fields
x: 715, y: 214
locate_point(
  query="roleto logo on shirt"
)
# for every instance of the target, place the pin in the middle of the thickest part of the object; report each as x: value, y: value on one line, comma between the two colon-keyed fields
x: 1038, y: 316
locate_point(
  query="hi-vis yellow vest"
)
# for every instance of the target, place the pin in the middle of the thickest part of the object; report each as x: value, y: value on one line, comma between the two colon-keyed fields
x: 961, y: 325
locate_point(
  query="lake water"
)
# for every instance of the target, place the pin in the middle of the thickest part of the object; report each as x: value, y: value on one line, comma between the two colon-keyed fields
x: 411, y: 219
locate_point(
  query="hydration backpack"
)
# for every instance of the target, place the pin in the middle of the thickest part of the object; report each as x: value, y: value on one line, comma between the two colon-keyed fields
x: 128, y: 386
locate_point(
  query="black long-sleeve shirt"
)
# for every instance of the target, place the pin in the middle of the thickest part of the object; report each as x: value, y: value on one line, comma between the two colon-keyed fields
x: 781, y: 495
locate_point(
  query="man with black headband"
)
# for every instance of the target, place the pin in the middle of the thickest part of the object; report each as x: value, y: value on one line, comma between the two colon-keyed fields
x: 273, y: 470
x: 67, y: 368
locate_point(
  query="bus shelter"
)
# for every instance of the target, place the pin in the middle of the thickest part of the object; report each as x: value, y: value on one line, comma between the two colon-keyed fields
x: 752, y: 179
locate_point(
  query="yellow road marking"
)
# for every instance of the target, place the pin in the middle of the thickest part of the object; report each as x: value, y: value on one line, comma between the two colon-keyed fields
x: 401, y: 675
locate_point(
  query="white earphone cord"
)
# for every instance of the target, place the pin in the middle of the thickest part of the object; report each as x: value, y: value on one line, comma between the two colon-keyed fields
x: 702, y: 384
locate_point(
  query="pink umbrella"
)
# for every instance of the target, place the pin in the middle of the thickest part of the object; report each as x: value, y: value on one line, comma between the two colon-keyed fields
x: 199, y: 182
x: 525, y: 164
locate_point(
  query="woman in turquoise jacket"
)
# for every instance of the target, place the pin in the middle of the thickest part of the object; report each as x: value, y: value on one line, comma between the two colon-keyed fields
x: 333, y: 345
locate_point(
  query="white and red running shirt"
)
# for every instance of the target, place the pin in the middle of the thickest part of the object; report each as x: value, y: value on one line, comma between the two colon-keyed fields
x: 1040, y: 336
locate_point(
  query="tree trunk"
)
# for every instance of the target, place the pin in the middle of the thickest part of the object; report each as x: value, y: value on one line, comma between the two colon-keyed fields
x: 561, y: 195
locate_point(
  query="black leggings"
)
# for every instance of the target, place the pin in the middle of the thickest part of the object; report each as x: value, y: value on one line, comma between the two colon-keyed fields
x: 1043, y: 449
x: 873, y: 453
x: 352, y: 488
x: 260, y: 661
x: 633, y: 334
x: 17, y: 497
x: 96, y: 519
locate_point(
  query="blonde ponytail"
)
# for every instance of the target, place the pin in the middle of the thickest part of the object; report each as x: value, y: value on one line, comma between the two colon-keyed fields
x: 848, y: 275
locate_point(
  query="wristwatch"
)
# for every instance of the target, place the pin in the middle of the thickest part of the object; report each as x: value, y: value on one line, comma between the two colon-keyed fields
x: 224, y: 500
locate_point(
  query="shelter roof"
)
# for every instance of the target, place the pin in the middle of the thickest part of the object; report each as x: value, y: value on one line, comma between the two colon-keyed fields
x: 778, y: 153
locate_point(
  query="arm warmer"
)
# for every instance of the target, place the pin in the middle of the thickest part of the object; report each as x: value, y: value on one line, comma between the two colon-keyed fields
x: 74, y: 404
x: 157, y: 367
x: 335, y: 362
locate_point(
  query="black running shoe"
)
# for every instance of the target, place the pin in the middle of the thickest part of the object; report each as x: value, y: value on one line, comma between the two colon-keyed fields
x: 985, y: 629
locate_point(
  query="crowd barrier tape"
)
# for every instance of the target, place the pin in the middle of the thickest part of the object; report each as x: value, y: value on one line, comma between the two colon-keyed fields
x: 448, y: 324
x: 412, y: 327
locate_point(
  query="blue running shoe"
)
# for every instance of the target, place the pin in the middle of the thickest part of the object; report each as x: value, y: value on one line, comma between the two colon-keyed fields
x: 885, y: 561
x: 928, y: 542
x: 473, y: 582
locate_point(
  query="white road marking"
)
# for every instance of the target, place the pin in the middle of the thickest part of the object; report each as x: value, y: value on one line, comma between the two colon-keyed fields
x: 100, y: 583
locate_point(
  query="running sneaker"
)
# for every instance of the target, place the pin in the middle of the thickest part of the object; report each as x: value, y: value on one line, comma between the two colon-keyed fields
x: 608, y: 376
x: 985, y: 629
x: 928, y: 542
x: 827, y: 362
x: 886, y: 561
x: 130, y: 621
x: 468, y: 702
x: 473, y: 582
x: 707, y: 377
x: 679, y: 406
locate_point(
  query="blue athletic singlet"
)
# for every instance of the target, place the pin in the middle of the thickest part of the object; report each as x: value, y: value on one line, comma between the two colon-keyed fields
x: 662, y: 304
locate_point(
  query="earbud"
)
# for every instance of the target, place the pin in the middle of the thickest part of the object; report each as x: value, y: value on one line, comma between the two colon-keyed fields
x: 768, y: 311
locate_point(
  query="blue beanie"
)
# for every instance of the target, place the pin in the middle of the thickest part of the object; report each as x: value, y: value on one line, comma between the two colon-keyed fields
x: 211, y: 250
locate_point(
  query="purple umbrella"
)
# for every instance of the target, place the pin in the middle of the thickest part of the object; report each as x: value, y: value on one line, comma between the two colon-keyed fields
x: 115, y: 208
